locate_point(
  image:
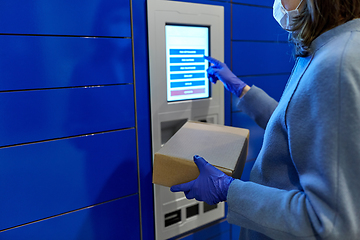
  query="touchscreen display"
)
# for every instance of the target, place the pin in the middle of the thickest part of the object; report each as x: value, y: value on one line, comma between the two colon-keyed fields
x: 185, y: 64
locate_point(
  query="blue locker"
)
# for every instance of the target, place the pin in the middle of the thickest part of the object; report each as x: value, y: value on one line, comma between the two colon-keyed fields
x: 66, y: 17
x: 45, y: 179
x: 235, y: 232
x: 256, y: 24
x: 268, y: 3
x: 258, y: 58
x: 219, y: 231
x: 29, y: 116
x: 30, y: 62
x: 118, y: 219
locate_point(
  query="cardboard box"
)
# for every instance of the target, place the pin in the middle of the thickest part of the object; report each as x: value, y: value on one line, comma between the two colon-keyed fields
x: 224, y: 147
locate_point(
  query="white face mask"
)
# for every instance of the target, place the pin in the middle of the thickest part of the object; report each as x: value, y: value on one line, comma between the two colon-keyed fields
x: 283, y: 16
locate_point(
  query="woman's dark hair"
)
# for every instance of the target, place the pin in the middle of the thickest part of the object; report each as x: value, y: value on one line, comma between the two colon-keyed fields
x: 319, y: 16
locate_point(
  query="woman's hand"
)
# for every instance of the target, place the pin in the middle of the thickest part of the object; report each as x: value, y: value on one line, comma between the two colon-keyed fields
x: 211, y: 186
x: 219, y: 71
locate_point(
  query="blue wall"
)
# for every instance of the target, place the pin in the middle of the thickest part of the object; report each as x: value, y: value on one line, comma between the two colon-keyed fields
x: 75, y: 148
x: 75, y: 160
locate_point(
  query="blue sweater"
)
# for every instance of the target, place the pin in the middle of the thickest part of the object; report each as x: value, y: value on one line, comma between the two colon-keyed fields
x: 305, y: 183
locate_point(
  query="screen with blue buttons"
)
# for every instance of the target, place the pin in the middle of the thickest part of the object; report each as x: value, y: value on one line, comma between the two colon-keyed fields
x: 186, y: 66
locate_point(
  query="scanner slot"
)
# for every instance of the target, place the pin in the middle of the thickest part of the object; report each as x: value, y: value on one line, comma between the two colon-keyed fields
x: 172, y: 218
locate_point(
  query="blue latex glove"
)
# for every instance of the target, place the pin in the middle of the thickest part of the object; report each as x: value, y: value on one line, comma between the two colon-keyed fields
x: 211, y: 186
x: 219, y: 71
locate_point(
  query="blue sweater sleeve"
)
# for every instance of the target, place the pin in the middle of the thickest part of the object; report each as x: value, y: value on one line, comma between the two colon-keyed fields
x: 323, y: 137
x: 257, y: 105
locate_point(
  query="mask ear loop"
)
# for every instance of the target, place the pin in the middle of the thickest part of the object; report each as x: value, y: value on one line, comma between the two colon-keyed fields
x: 299, y: 5
x: 282, y: 5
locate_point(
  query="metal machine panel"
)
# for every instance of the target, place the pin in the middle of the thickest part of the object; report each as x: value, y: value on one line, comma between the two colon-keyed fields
x: 66, y: 17
x: 157, y: 20
x: 50, y: 178
x: 167, y: 117
x: 30, y: 62
x: 118, y: 219
x: 29, y: 116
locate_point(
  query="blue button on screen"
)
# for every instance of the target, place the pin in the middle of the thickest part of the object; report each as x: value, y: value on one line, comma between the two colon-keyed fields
x: 187, y: 76
x: 187, y: 84
x: 187, y: 68
x: 187, y: 60
x: 187, y: 51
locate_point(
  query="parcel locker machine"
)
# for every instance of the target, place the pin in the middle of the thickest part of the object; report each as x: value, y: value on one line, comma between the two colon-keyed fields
x: 180, y: 35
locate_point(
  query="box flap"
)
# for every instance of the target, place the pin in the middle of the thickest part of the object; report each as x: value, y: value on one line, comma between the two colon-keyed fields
x: 219, y: 145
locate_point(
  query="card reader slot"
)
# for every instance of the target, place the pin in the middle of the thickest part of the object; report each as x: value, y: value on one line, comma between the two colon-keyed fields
x: 208, y: 207
x: 172, y: 218
x: 192, y: 211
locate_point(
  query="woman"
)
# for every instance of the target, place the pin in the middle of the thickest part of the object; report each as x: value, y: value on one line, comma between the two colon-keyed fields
x: 304, y: 184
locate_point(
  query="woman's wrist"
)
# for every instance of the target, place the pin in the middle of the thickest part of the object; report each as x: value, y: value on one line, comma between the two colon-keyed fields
x: 245, y: 90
